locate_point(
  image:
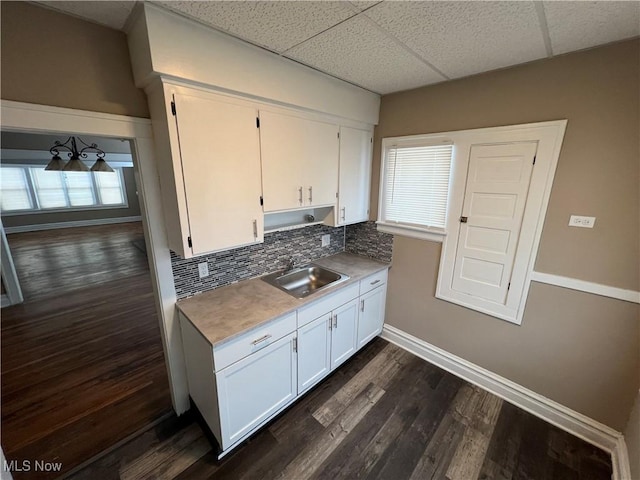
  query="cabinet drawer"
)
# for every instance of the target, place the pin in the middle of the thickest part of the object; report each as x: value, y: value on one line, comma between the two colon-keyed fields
x: 253, y: 341
x: 325, y: 305
x: 373, y: 281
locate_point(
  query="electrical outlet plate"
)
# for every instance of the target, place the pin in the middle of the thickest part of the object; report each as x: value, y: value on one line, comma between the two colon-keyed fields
x: 583, y: 222
x: 326, y: 240
x: 203, y: 269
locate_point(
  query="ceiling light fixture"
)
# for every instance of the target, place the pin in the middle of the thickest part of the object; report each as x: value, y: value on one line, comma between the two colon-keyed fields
x: 75, y: 164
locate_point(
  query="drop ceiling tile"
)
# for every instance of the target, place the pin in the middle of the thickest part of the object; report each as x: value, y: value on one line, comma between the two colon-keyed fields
x: 276, y: 25
x: 463, y: 38
x: 113, y: 14
x: 357, y: 51
x: 578, y: 25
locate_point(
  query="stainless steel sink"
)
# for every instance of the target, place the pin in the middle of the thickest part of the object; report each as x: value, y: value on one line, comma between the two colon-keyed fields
x: 303, y: 281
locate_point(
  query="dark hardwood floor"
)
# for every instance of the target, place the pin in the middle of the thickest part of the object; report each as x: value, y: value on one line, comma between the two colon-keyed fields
x: 82, y: 361
x: 385, y: 414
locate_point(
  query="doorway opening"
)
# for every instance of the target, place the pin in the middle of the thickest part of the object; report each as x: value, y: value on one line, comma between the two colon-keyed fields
x: 83, y: 365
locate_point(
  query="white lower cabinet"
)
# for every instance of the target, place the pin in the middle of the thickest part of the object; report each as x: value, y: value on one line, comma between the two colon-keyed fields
x: 343, y: 333
x: 253, y: 389
x: 243, y: 383
x: 314, y: 352
x: 371, y: 316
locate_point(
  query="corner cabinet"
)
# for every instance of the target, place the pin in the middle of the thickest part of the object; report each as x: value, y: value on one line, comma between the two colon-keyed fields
x: 299, y: 162
x: 355, y: 175
x: 209, y: 165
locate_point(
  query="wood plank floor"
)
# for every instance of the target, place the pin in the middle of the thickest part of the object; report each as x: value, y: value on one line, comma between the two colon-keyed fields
x: 82, y: 360
x: 385, y: 414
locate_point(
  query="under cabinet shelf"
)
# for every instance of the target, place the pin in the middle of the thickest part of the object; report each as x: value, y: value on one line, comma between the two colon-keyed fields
x: 294, y: 219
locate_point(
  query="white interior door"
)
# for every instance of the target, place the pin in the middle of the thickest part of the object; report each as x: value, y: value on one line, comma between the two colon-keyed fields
x: 495, y: 197
x: 220, y: 151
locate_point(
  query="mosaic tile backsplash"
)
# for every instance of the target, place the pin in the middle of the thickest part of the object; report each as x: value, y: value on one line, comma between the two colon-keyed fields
x: 365, y: 239
x: 302, y: 245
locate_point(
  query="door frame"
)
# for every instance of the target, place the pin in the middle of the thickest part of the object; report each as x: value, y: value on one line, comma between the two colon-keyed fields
x: 33, y: 118
x: 549, y: 137
x: 10, y: 280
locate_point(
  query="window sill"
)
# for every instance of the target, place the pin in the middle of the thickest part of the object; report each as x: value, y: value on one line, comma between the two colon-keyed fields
x: 405, y: 231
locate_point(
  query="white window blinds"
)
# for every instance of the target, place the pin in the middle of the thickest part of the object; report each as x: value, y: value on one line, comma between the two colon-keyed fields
x: 14, y: 193
x: 32, y: 189
x: 415, y: 186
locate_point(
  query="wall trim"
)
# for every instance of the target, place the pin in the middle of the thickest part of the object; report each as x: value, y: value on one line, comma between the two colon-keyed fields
x: 588, y: 287
x: 75, y: 223
x: 556, y: 414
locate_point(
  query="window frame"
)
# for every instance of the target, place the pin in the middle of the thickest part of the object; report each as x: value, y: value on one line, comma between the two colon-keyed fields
x: 36, y: 210
x: 549, y: 136
x: 435, y: 234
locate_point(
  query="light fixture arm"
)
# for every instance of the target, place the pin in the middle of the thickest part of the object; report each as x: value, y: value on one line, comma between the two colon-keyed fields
x: 73, y: 149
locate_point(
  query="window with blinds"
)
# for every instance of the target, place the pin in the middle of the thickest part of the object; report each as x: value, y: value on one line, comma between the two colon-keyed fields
x: 25, y: 189
x: 415, y: 186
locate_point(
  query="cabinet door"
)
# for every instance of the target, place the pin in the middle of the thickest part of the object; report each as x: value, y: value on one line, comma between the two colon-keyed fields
x: 220, y: 152
x: 320, y: 173
x: 297, y: 155
x: 371, y: 316
x: 255, y: 388
x: 355, y: 175
x: 343, y: 332
x: 314, y: 352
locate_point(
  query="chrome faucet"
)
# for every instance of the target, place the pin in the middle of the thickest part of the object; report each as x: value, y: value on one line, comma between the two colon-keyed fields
x: 289, y: 265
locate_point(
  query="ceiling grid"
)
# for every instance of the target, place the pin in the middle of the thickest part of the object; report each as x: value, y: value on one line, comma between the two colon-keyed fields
x: 389, y: 46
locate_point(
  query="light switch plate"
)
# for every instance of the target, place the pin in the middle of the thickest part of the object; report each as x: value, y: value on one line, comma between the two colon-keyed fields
x: 203, y: 269
x: 584, y: 222
x: 326, y: 240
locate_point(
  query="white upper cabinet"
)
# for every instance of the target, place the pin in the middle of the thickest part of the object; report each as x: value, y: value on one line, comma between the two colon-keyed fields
x: 355, y: 175
x: 214, y: 171
x: 299, y: 162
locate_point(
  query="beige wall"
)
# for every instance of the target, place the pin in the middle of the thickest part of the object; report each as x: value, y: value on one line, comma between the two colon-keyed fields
x: 133, y: 210
x: 53, y: 59
x: 579, y: 349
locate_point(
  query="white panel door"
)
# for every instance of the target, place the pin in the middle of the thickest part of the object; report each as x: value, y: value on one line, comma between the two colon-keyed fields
x: 220, y: 152
x: 371, y: 316
x: 344, y: 332
x: 320, y: 170
x: 314, y: 352
x: 256, y: 387
x: 355, y: 175
x: 495, y: 198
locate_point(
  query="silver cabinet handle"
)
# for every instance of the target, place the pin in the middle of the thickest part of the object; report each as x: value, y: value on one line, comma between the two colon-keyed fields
x: 335, y: 321
x: 362, y: 305
x: 310, y: 194
x: 261, y: 339
x: 344, y: 212
x: 300, y: 195
x: 373, y: 283
x: 255, y: 229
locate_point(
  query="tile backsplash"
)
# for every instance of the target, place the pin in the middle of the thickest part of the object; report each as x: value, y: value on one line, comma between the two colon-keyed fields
x: 302, y: 245
x: 365, y: 239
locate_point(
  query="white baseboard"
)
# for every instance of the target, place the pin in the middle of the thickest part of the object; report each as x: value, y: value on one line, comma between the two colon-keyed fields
x: 589, y: 287
x: 78, y: 223
x: 562, y: 417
